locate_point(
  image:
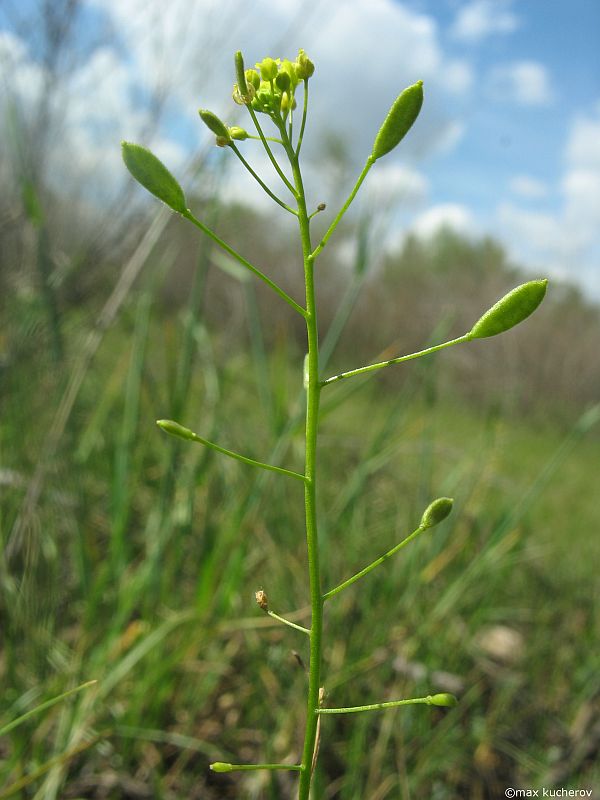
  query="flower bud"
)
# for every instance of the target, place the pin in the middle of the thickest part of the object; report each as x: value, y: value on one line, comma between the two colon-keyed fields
x: 304, y: 66
x: 238, y: 133
x: 287, y: 68
x: 214, y: 124
x: 513, y: 308
x: 221, y: 766
x: 283, y: 81
x: 268, y: 69
x: 399, y: 120
x: 252, y: 78
x: 445, y: 699
x: 175, y: 429
x: 436, y: 512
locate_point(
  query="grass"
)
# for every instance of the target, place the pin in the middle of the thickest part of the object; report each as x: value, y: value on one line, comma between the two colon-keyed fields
x: 140, y: 561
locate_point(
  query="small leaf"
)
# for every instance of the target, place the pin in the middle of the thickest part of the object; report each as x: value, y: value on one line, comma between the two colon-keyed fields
x: 148, y: 170
x: 436, y: 512
x: 513, y: 308
x: 399, y: 120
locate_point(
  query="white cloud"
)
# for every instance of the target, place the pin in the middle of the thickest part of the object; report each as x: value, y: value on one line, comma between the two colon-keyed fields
x: 526, y: 83
x: 528, y: 187
x: 454, y: 216
x: 565, y: 241
x: 394, y: 183
x: 481, y: 18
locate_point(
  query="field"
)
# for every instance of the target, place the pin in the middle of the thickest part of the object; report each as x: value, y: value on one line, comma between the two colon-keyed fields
x: 132, y: 559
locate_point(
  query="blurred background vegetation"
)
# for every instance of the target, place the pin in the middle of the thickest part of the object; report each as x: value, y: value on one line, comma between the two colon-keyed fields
x: 132, y: 559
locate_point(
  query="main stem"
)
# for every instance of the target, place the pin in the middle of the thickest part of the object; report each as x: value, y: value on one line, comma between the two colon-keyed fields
x: 313, y: 391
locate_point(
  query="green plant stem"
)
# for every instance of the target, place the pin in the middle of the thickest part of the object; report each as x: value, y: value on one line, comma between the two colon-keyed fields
x: 193, y: 437
x: 376, y: 706
x: 345, y: 207
x: 373, y: 564
x: 370, y: 367
x: 313, y: 391
x: 269, y: 152
x: 189, y: 216
x: 250, y: 767
x: 287, y: 622
x: 303, y: 123
x: 261, y: 183
x: 42, y: 707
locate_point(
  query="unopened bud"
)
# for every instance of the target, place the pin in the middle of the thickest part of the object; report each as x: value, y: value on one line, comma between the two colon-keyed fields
x: 238, y: 133
x: 321, y: 207
x: 175, y: 429
x: 268, y: 69
x: 445, y: 699
x: 304, y: 66
x: 221, y: 766
x: 252, y: 78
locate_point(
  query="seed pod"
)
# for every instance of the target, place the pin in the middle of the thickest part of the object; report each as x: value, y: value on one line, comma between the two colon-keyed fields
x: 175, y: 429
x: 148, y: 170
x: 262, y: 600
x: 214, y: 124
x: 240, y: 73
x: 221, y: 766
x: 513, y: 308
x: 445, y: 699
x: 436, y: 512
x: 399, y: 120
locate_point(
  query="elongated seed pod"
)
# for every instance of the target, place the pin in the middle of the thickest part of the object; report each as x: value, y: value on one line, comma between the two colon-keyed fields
x: 240, y: 73
x: 513, y: 308
x: 148, y: 170
x: 399, y: 120
x: 214, y: 124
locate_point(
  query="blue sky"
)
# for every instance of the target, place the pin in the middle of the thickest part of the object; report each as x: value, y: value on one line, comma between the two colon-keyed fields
x: 508, y: 143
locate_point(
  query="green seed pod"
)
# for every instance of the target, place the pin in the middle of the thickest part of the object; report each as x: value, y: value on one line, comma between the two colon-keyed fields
x: 238, y: 133
x: 513, y: 308
x: 175, y: 429
x: 268, y: 69
x: 252, y: 78
x: 148, y: 170
x: 221, y: 766
x: 240, y: 73
x: 445, y: 699
x: 304, y: 66
x: 399, y: 120
x: 436, y: 512
x: 214, y: 124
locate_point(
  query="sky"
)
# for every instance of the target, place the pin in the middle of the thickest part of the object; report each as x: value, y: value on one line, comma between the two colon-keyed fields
x: 507, y: 144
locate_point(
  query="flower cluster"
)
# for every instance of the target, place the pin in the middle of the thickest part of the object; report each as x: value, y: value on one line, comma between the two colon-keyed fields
x: 268, y: 89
